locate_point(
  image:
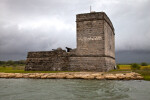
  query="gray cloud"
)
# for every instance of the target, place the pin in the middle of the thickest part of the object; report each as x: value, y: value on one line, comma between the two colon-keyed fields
x: 39, y: 25
x: 126, y: 56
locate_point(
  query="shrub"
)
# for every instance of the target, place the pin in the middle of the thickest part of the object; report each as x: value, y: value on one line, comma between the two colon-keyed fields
x: 118, y: 67
x: 135, y: 66
x: 2, y: 62
x: 144, y: 64
x: 4, y: 66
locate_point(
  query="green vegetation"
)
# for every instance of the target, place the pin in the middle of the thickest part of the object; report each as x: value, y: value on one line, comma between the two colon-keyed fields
x: 144, y: 64
x: 118, y: 67
x: 144, y: 70
x: 12, y: 63
x: 11, y: 69
x: 125, y: 67
x: 12, y: 66
x: 135, y: 66
x: 145, y: 73
x: 18, y: 67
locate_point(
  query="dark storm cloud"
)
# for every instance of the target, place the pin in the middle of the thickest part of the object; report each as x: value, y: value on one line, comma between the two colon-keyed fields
x: 127, y: 56
x: 35, y: 25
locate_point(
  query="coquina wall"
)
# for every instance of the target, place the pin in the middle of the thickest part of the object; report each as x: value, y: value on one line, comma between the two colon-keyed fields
x: 63, y: 61
x: 47, y: 61
x: 95, y: 48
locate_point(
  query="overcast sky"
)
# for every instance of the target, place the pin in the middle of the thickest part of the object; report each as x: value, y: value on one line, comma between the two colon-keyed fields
x: 40, y: 25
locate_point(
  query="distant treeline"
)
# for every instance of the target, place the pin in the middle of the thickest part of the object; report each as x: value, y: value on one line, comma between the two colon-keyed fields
x: 142, y: 64
x: 12, y: 63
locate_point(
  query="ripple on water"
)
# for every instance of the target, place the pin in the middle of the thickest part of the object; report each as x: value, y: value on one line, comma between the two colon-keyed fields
x: 73, y: 89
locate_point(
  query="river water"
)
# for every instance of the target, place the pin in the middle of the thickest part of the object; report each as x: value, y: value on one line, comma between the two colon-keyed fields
x: 73, y: 89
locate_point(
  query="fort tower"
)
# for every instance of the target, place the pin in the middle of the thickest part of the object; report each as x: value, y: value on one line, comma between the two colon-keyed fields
x: 95, y: 48
x: 95, y: 42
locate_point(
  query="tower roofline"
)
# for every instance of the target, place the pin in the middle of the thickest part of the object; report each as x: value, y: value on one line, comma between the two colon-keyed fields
x: 94, y: 16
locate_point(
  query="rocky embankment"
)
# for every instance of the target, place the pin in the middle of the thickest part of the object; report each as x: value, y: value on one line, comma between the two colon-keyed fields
x: 75, y: 75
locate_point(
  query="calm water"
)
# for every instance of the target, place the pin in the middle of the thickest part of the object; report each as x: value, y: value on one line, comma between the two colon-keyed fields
x: 65, y: 89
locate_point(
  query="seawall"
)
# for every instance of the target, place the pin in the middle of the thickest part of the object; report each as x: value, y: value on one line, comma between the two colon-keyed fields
x: 75, y: 75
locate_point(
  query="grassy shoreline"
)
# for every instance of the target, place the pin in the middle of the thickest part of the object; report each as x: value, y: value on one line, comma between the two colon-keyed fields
x: 144, y: 70
x: 20, y: 69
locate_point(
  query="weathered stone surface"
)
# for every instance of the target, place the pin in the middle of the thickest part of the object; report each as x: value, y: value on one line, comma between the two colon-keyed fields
x: 74, y: 75
x: 110, y: 76
x: 44, y: 76
x: 68, y: 76
x: 95, y: 48
x: 18, y: 75
x: 100, y: 77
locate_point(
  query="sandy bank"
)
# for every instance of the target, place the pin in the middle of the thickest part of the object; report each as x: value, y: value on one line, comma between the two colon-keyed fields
x: 75, y: 75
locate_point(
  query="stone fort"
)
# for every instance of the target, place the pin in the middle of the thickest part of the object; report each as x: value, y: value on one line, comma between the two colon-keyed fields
x: 95, y: 48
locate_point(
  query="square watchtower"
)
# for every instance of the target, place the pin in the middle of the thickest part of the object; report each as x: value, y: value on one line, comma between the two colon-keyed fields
x: 95, y: 43
x: 95, y: 35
